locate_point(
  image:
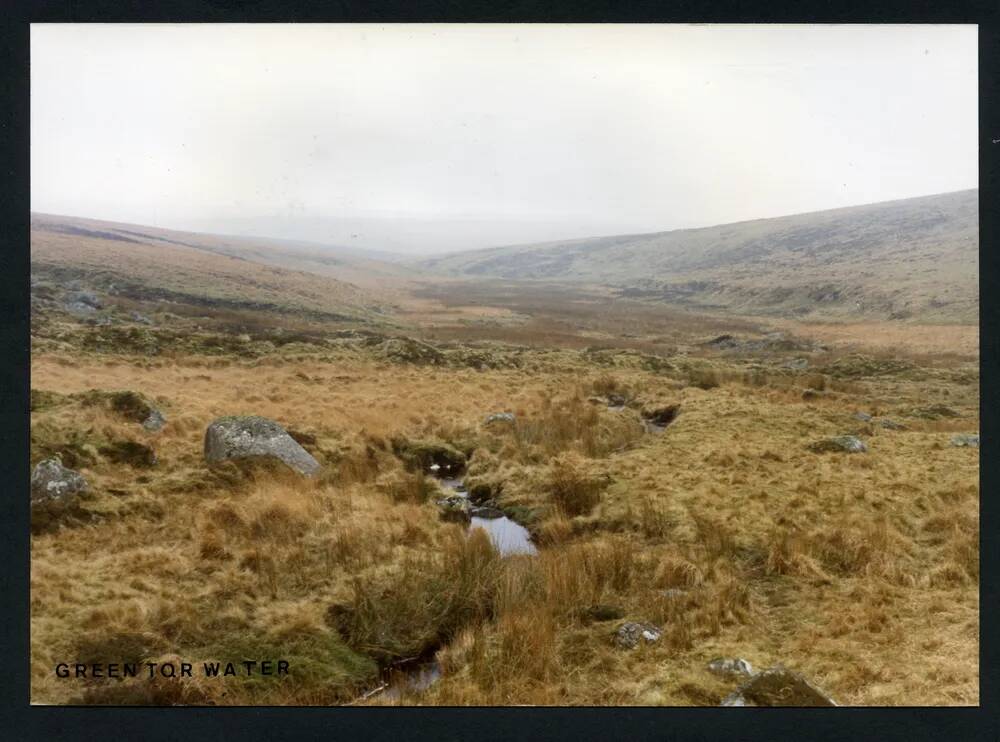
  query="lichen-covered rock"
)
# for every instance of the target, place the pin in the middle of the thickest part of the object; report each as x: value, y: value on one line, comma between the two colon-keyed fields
x: 963, y: 440
x: 839, y: 444
x: 53, y: 485
x: 630, y: 634
x: 252, y: 437
x: 778, y: 686
x: 729, y: 667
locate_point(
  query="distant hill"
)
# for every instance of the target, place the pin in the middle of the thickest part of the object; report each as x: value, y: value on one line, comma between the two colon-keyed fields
x: 910, y: 259
x: 236, y: 272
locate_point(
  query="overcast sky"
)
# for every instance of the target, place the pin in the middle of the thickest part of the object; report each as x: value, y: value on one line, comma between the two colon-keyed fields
x: 426, y: 138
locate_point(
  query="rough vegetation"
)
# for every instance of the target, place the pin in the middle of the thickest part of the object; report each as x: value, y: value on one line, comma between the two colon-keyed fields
x: 690, y: 503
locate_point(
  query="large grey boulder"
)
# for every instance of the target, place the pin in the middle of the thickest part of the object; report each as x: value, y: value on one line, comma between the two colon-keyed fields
x: 253, y: 437
x: 778, y: 686
x: 53, y: 485
x: 629, y: 634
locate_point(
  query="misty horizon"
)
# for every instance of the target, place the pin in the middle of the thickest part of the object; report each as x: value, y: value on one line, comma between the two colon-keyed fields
x: 428, y: 139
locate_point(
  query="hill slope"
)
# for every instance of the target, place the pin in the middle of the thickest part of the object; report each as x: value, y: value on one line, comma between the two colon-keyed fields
x: 151, y: 263
x: 911, y: 258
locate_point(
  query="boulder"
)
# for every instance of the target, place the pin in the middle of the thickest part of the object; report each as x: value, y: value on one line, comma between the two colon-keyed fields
x: 729, y: 667
x: 962, y: 440
x: 252, y: 437
x: 52, y: 484
x: 499, y: 417
x: 154, y: 422
x: 778, y: 686
x: 630, y: 634
x: 839, y: 444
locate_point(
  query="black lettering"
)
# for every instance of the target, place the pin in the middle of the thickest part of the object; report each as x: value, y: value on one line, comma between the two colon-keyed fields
x: 249, y: 665
x: 81, y: 671
x: 130, y: 669
x: 62, y: 670
x: 265, y: 667
x: 211, y: 669
x: 113, y: 670
x: 165, y: 666
x: 230, y: 670
x: 96, y: 671
x: 185, y: 669
x: 282, y: 667
x: 152, y: 668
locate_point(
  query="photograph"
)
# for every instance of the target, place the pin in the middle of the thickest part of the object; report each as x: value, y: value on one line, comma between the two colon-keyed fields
x: 504, y: 364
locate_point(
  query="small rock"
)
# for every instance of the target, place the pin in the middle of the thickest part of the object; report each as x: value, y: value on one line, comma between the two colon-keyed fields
x: 629, y: 634
x: 499, y: 417
x: 891, y: 424
x: 730, y: 667
x: 485, y: 511
x: 796, y: 364
x: 840, y: 443
x: 778, y: 686
x: 454, y: 509
x: 962, y: 440
x: 935, y: 412
x: 863, y: 417
x: 253, y: 437
x: 154, y: 422
x: 52, y: 484
x: 142, y: 319
x: 674, y: 592
x: 616, y: 400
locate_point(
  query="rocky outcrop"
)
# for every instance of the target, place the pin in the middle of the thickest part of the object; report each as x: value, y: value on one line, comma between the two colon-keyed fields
x: 408, y: 350
x: 251, y: 437
x: 499, y: 417
x: 55, y: 486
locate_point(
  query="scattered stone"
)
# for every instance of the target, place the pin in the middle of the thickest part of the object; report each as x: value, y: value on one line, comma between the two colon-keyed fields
x: 154, y: 422
x: 486, y: 511
x: 796, y: 364
x: 839, y: 444
x: 674, y: 592
x: 962, y: 440
x: 254, y: 437
x: 863, y: 417
x: 891, y: 424
x: 729, y: 667
x: 84, y: 298
x: 499, y: 417
x: 778, y: 686
x: 142, y: 319
x: 53, y: 485
x: 616, y: 400
x: 454, y: 509
x: 630, y: 634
